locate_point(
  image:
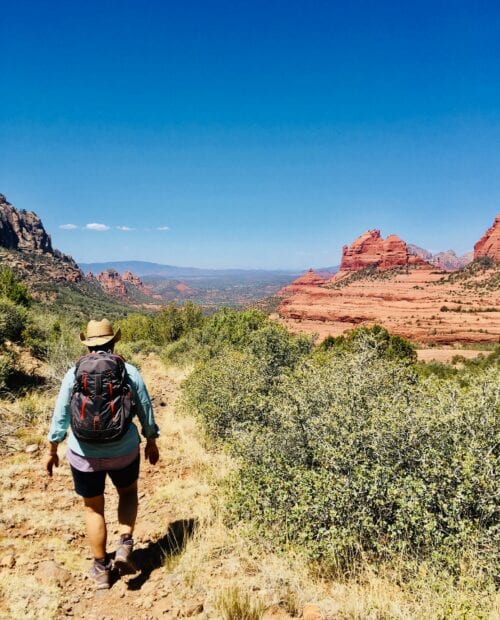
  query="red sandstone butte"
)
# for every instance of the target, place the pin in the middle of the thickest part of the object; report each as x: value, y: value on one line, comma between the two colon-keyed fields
x: 130, y: 278
x: 310, y: 278
x: 371, y: 250
x: 112, y: 283
x: 489, y: 244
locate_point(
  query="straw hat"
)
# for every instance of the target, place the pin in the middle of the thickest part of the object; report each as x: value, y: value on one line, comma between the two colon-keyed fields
x: 99, y: 333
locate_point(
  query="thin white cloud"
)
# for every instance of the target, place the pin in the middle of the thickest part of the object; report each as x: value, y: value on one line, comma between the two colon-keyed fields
x: 125, y: 228
x: 163, y: 228
x: 68, y: 226
x: 96, y: 226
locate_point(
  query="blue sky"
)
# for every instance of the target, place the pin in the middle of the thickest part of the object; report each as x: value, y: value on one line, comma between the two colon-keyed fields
x: 262, y: 134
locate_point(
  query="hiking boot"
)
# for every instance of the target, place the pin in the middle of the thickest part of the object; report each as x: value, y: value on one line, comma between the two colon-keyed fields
x: 100, y: 575
x: 123, y: 561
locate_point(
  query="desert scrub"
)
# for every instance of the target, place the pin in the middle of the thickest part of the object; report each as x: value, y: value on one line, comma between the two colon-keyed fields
x: 354, y: 456
x: 13, y: 319
x: 230, y: 391
x: 7, y: 369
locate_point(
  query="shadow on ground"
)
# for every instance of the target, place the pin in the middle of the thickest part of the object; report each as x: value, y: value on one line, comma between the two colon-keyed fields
x: 156, y: 553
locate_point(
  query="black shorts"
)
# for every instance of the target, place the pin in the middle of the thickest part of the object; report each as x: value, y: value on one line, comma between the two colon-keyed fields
x: 92, y: 483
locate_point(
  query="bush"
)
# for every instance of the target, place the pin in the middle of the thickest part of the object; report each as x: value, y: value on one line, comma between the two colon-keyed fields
x: 181, y: 352
x: 231, y: 328
x: 7, y: 369
x: 136, y: 327
x: 229, y: 394
x: 230, y: 390
x: 385, y: 344
x: 12, y: 320
x: 63, y: 350
x: 11, y: 288
x: 357, y: 456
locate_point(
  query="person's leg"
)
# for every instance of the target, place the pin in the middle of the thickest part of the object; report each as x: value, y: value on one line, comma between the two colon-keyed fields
x: 125, y: 481
x: 90, y: 486
x: 127, y: 508
x: 96, y: 525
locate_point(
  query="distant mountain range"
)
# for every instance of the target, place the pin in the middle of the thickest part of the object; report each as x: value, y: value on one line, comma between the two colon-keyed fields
x: 444, y: 260
x: 144, y: 268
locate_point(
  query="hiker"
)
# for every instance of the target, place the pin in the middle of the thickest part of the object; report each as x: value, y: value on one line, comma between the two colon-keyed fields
x: 98, y: 399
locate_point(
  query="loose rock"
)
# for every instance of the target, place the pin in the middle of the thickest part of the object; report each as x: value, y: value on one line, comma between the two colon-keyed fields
x: 49, y: 571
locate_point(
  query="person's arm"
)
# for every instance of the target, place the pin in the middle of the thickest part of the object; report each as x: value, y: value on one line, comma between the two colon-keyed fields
x: 60, y: 421
x: 145, y: 414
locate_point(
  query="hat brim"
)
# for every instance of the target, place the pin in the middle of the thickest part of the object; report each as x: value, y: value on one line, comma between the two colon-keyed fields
x: 98, y: 341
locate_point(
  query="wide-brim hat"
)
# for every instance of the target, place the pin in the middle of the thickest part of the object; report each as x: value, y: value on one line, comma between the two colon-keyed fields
x: 99, y: 333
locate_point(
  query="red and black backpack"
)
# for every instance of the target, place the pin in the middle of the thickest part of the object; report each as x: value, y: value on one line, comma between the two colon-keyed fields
x: 102, y: 403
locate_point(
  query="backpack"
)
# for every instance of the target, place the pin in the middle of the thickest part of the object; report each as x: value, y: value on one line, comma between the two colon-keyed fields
x: 101, y: 403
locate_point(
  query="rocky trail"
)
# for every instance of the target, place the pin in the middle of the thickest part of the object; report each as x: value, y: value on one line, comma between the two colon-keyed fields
x: 43, y: 553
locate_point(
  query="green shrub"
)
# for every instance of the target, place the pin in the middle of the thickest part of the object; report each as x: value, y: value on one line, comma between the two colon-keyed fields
x: 229, y: 393
x: 7, y: 369
x: 63, y: 350
x: 12, y: 320
x: 135, y: 327
x: 386, y: 344
x: 358, y: 456
x: 230, y: 328
x: 168, y: 325
x: 11, y: 288
x: 181, y: 352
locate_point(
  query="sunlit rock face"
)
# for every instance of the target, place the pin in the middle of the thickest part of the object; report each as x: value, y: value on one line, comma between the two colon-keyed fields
x: 489, y: 244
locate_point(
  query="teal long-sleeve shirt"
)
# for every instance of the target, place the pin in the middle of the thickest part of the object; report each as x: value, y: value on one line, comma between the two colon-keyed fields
x: 144, y: 410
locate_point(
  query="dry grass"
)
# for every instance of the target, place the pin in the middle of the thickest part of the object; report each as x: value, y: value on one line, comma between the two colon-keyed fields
x: 236, y: 605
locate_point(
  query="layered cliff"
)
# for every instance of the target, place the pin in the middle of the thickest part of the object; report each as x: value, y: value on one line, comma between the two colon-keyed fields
x: 371, y: 250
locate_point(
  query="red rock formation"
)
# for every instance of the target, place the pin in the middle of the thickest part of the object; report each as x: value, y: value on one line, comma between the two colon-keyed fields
x: 131, y: 278
x: 112, y: 283
x: 26, y: 245
x: 408, y: 302
x: 372, y: 250
x: 22, y: 230
x: 310, y: 278
x: 489, y: 244
x: 184, y: 288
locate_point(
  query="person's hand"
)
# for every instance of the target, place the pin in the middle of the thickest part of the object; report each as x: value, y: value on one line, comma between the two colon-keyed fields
x: 51, y: 462
x: 151, y: 452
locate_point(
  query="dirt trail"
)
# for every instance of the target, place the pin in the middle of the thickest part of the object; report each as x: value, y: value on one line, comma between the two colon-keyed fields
x: 43, y: 552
